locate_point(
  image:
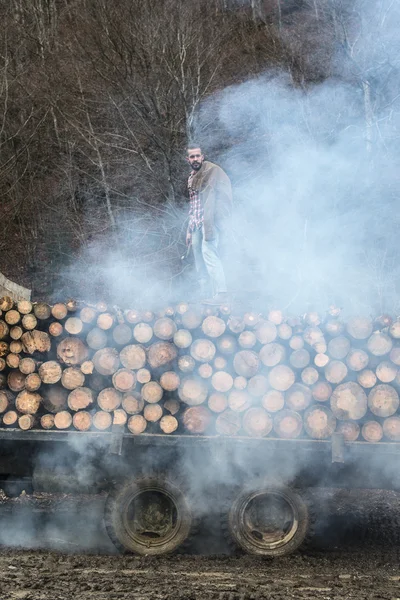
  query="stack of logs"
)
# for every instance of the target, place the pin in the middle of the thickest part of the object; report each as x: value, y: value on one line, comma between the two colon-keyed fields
x: 198, y: 370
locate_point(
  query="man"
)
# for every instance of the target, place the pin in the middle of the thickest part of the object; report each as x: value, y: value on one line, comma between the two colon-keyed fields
x: 210, y: 194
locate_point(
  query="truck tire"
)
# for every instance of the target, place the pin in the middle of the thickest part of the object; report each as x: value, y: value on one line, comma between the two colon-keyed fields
x: 268, y: 519
x: 149, y: 516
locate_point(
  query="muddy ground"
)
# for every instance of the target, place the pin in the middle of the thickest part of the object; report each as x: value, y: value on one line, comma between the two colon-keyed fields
x: 353, y: 555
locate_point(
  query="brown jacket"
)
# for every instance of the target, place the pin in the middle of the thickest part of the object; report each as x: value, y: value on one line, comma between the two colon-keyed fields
x: 215, y: 190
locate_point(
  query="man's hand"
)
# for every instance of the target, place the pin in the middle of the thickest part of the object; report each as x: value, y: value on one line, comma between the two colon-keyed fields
x: 188, y: 238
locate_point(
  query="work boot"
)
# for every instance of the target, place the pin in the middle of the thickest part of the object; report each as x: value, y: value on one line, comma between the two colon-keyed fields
x: 220, y: 298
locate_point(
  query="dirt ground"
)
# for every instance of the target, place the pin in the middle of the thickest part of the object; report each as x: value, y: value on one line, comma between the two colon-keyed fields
x: 353, y: 555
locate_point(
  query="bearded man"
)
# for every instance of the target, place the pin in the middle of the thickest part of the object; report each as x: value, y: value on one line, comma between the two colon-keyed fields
x: 210, y: 193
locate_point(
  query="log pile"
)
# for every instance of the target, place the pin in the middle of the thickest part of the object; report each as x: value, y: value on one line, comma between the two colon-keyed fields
x: 197, y: 370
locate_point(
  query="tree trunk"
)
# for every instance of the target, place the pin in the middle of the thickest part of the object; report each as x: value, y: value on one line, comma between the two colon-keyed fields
x: 360, y: 328
x: 132, y: 403
x: 281, y: 378
x: 203, y: 350
x: 72, y: 378
x: 152, y: 392
x: 106, y: 361
x: 273, y: 401
x: 309, y: 376
x: 33, y: 382
x: 319, y: 422
x: 239, y: 401
x: 165, y: 328
x: 217, y: 402
x: 26, y: 422
x: 372, y: 432
x: 161, y: 354
x: 379, y: 344
x: 143, y: 333
x: 62, y: 420
x: 272, y: 354
x: 168, y: 424
x: 50, y: 372
x: 197, y: 419
x: 192, y: 391
x: 288, y: 424
x: 386, y: 372
x: 137, y: 424
x: 102, y: 420
x: 124, y: 380
x: 321, y: 391
x: 349, y: 429
x: 257, y: 422
x: 357, y: 360
x: 109, y: 399
x: 335, y: 371
x: 47, y: 421
x: 59, y: 311
x: 383, y: 400
x: 152, y: 412
x: 72, y: 351
x: 73, y: 326
x: 80, y: 398
x: 133, y: 357
x: 82, y: 421
x: 170, y: 381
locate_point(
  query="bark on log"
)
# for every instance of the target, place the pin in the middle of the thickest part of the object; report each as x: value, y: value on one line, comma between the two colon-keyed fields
x: 124, y: 380
x: 272, y: 354
x: 143, y: 333
x: 349, y: 429
x: 3, y: 365
x: 288, y: 424
x: 349, y: 401
x: 257, y: 422
x: 106, y: 361
x: 122, y: 334
x: 239, y: 401
x: 152, y: 392
x: 55, y: 398
x: 281, y: 378
x: 217, y: 402
x: 62, y: 420
x: 59, y: 311
x: 372, y: 431
x: 273, y: 401
x: 133, y: 357
x: 339, y: 347
x: 357, y: 360
x: 161, y: 354
x: 228, y: 423
x: 143, y: 376
x: 391, y: 428
x: 335, y: 371
x: 4, y: 349
x: 203, y: 350
x: 193, y: 391
x: 168, y: 424
x: 72, y: 378
x: 183, y: 338
x: 319, y: 422
x: 109, y: 399
x: 137, y: 424
x: 298, y: 397
x: 132, y: 403
x: 82, y: 420
x: 360, y: 328
x: 152, y: 412
x: 28, y: 403
x: 80, y: 398
x: 47, y: 421
x: 96, y: 339
x: 72, y: 351
x: 33, y: 382
x: 383, y: 400
x: 50, y: 372
x: 222, y: 381
x: 186, y: 363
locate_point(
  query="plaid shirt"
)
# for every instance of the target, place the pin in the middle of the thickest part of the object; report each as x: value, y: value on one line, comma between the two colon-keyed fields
x: 196, y: 211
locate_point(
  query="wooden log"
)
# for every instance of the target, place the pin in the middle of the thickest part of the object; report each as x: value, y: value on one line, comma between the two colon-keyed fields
x: 133, y: 316
x: 240, y: 382
x: 73, y: 326
x: 148, y: 316
x: 383, y: 400
x: 88, y: 314
x: 82, y: 420
x: 193, y: 391
x: 220, y: 363
x: 239, y: 401
x: 36, y: 341
x: 27, y: 366
x: 124, y: 380
x: 222, y: 381
x: 56, y: 329
x: 320, y: 347
x: 192, y: 319
x: 119, y: 417
x: 24, y: 307
x: 360, y: 328
x: 81, y: 398
x: 372, y: 431
x: 16, y: 333
x: 168, y: 424
x: 72, y: 378
x: 87, y: 367
x: 4, y: 349
x: 26, y: 422
x: 266, y: 332
x: 101, y: 306
x: 298, y: 397
x: 285, y: 332
x: 12, y: 317
x: 3, y: 365
x: 47, y: 421
x: 321, y: 360
x: 62, y: 420
x: 333, y: 327
x: 217, y: 402
x: 10, y: 418
x: 226, y: 345
x: 357, y: 359
x: 379, y: 343
x: 203, y: 350
x: 161, y: 354
x: 137, y: 424
x: 132, y: 403
x: 386, y: 371
x: 28, y: 403
x: 258, y: 386
x: 281, y: 378
x: 170, y: 381
x: 33, y: 382
x: 16, y: 381
x: 183, y: 338
x: 42, y: 311
x: 251, y: 319
x: 367, y: 378
x: 122, y: 334
x: 143, y: 333
x: 133, y: 357
x: 335, y: 371
x: 296, y: 342
x: 321, y: 391
x: 309, y: 376
x: 213, y: 327
x: 109, y: 399
x: 29, y: 322
x: 299, y: 359
x: 152, y: 392
x: 228, y: 423
x: 186, y: 363
x: 288, y: 424
x: 257, y: 422
x: 205, y: 370
x: 59, y: 311
x: 394, y: 329
x: 391, y: 428
x: 105, y: 321
x: 143, y: 376
x: 383, y: 321
x: 55, y: 398
x: 96, y: 339
x: 72, y: 305
x: 172, y: 405
x: 395, y: 355
x: 272, y: 354
x: 349, y: 401
x: 197, y: 419
x: 350, y: 430
x: 275, y: 316
x: 4, y: 330
x: 153, y: 412
x: 13, y: 360
x: 273, y: 401
x: 72, y: 351
x: 50, y: 372
x: 247, y: 339
x: 313, y: 335
x: 106, y: 361
x: 165, y: 329
x: 319, y: 422
x: 6, y: 400
x: 339, y: 347
x: 236, y: 325
x: 312, y: 318
x: 246, y: 363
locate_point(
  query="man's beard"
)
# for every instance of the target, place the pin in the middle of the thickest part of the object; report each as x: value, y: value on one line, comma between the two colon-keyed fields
x: 196, y: 166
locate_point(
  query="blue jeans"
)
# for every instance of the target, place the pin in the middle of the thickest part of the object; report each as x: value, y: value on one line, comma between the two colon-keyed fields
x: 208, y: 262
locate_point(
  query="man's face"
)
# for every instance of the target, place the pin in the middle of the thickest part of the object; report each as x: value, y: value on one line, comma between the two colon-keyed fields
x: 195, y: 158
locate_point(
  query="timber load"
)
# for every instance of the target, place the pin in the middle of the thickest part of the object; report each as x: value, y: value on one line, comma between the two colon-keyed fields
x: 198, y: 370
